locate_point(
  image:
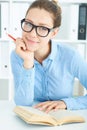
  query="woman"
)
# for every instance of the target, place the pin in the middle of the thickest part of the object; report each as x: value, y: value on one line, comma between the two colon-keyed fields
x: 44, y: 70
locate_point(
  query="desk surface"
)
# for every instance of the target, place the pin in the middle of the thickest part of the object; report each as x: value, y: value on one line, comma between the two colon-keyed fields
x: 9, y: 121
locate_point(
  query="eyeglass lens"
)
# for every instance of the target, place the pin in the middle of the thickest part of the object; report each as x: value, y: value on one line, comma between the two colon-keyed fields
x: 40, y: 30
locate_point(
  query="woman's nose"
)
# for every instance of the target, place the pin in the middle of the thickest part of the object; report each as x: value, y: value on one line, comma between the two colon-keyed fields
x: 33, y: 32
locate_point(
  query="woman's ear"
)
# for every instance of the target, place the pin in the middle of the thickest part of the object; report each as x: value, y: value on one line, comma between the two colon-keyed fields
x: 55, y: 32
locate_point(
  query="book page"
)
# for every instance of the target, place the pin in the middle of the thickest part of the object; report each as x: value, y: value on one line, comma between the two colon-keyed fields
x: 34, y: 116
x: 67, y: 116
x: 33, y: 110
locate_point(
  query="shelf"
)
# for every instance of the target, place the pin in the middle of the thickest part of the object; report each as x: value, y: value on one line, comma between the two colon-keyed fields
x: 72, y: 41
x: 72, y: 1
x: 4, y: 1
x: 9, y: 77
x: 23, y: 1
x: 4, y: 40
x: 60, y: 1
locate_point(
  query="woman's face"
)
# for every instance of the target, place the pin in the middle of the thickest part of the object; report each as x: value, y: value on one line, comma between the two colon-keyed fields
x: 38, y: 17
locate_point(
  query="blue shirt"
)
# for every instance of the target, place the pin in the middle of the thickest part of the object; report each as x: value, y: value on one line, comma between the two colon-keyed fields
x: 53, y: 80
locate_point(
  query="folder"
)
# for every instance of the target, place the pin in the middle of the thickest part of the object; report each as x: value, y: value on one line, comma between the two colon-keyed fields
x: 4, y: 59
x: 74, y: 8
x: 19, y: 11
x: 4, y: 89
x: 0, y: 59
x: 82, y: 22
x: 0, y: 20
x: 4, y: 19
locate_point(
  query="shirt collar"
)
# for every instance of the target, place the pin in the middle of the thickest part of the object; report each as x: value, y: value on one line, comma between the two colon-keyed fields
x: 53, y: 53
x: 53, y: 50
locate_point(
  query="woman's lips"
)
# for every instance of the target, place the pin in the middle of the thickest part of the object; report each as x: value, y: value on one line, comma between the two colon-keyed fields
x: 31, y: 41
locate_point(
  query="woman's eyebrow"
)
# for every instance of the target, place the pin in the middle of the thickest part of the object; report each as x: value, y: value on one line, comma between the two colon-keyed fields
x: 44, y: 24
x: 40, y: 24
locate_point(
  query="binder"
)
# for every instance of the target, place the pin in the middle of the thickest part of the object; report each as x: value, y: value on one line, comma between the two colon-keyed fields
x: 4, y: 19
x: 74, y: 8
x: 82, y: 22
x: 4, y: 59
x: 18, y: 13
x: 0, y: 20
x: 0, y: 59
x: 4, y: 89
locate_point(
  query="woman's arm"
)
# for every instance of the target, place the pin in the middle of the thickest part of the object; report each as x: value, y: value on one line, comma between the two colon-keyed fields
x: 23, y: 81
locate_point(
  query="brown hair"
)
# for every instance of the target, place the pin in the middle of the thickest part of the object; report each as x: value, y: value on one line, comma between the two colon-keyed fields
x: 50, y: 6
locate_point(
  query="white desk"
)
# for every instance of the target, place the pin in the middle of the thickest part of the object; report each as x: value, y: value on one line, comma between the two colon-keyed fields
x: 9, y: 121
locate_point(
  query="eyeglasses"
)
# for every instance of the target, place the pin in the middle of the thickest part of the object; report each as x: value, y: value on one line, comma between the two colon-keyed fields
x: 40, y: 30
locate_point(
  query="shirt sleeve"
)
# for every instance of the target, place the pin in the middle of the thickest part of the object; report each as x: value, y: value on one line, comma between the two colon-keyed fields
x: 23, y: 81
x: 75, y: 103
x: 79, y: 70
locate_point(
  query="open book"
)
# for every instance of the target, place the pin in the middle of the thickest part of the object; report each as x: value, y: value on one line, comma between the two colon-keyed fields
x: 59, y: 117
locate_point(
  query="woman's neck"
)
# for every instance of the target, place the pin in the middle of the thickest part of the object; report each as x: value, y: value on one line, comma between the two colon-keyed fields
x: 42, y: 54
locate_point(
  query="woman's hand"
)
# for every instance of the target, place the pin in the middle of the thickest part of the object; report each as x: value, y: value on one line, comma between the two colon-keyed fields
x: 51, y: 105
x: 26, y: 55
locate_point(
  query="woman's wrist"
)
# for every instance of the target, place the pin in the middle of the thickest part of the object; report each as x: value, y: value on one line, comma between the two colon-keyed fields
x: 28, y: 65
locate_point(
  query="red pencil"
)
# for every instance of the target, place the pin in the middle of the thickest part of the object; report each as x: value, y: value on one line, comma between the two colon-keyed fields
x: 11, y: 36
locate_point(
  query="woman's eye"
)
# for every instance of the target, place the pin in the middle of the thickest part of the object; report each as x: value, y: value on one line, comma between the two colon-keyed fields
x: 43, y: 28
x: 28, y: 24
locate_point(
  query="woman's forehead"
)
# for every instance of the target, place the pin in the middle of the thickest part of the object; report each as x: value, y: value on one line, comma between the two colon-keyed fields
x: 40, y: 16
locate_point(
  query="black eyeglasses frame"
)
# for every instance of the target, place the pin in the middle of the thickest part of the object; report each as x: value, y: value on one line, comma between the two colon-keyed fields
x: 34, y: 26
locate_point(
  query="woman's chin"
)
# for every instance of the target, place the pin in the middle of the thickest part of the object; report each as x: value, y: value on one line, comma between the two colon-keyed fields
x: 31, y: 49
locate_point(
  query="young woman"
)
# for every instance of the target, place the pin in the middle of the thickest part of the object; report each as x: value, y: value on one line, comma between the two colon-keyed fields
x: 43, y: 69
